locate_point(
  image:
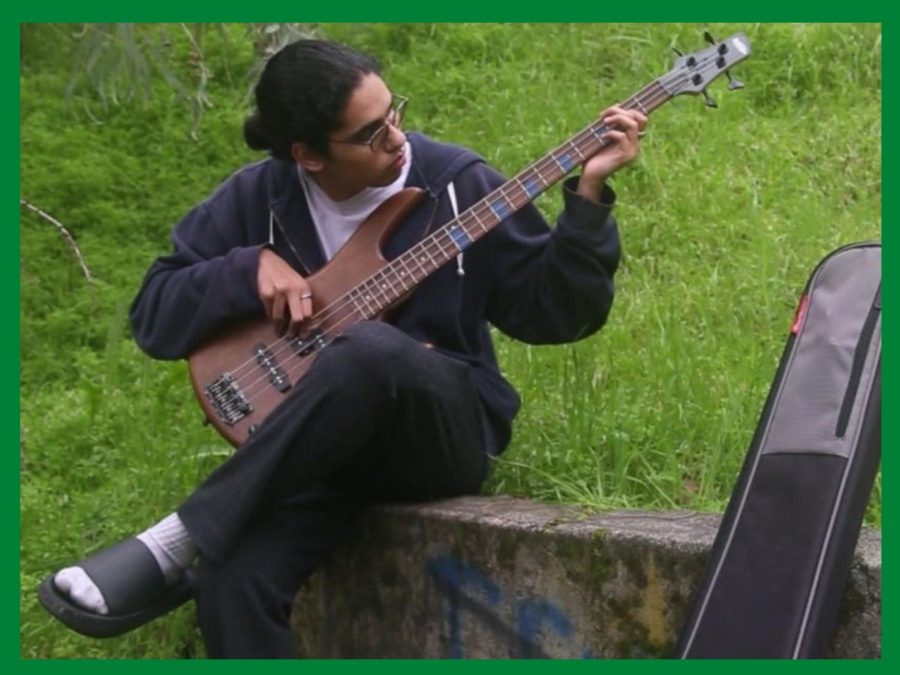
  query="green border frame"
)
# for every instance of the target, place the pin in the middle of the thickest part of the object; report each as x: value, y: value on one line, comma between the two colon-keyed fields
x: 460, y: 10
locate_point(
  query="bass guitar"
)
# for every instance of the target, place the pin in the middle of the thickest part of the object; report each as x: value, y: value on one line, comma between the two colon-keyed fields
x: 242, y: 376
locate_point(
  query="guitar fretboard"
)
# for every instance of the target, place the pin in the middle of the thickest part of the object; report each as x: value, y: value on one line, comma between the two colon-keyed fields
x: 407, y: 270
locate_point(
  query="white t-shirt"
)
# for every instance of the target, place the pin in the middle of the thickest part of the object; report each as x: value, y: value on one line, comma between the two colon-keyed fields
x: 337, y: 221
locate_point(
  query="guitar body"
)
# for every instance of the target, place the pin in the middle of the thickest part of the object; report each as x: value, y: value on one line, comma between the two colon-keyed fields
x: 243, y: 375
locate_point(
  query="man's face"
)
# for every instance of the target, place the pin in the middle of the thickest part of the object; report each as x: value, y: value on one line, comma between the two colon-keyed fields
x: 353, y: 166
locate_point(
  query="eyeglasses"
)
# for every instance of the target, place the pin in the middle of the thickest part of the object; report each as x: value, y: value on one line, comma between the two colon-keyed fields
x: 375, y: 140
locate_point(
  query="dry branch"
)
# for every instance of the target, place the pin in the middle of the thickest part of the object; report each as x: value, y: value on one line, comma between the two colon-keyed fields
x: 70, y: 240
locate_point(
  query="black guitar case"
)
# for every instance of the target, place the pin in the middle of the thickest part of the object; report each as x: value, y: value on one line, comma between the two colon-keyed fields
x: 782, y: 555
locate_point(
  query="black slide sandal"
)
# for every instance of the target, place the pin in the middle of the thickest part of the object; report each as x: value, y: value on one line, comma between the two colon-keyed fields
x: 132, y: 585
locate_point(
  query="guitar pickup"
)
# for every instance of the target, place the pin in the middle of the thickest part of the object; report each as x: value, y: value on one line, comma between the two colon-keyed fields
x: 266, y: 360
x: 312, y: 342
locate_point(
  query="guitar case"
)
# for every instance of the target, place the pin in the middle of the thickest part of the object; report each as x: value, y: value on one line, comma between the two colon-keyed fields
x: 781, y: 558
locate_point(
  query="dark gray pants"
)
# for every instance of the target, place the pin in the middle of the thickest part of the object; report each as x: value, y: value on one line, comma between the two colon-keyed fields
x: 378, y: 417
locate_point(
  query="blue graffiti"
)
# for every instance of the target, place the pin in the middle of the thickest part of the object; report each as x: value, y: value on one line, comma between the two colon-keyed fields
x: 452, y: 576
x: 532, y: 615
x: 468, y: 589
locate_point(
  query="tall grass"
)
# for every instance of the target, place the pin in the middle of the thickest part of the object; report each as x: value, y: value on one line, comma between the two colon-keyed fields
x: 722, y: 218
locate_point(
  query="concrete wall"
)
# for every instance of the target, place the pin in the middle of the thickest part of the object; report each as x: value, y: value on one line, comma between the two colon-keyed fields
x: 504, y: 577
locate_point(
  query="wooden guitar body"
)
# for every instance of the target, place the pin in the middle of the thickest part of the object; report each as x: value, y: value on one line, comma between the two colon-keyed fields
x: 244, y: 374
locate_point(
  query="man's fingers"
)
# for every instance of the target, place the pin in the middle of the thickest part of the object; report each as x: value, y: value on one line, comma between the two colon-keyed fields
x: 621, y: 122
x: 626, y: 144
x: 625, y: 119
x: 615, y: 136
x: 611, y: 110
x: 285, y: 294
x: 267, y: 304
x: 277, y: 307
x: 300, y: 306
x: 297, y: 313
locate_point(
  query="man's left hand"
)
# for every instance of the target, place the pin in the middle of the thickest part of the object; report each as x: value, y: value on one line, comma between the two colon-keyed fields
x: 622, y: 147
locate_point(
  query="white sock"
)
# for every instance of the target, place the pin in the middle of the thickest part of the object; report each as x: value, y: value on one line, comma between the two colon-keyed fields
x: 170, y: 546
x: 75, y: 582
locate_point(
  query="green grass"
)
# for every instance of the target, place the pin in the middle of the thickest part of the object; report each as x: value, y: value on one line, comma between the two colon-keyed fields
x: 723, y: 217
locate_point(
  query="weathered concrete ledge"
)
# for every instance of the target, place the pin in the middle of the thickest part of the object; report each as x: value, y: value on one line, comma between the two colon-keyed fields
x: 502, y: 577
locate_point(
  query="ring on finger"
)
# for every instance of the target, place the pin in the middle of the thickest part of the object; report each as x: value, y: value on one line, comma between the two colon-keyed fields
x: 306, y: 296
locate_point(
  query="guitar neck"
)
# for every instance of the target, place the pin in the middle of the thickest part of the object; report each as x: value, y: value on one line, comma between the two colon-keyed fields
x: 419, y: 261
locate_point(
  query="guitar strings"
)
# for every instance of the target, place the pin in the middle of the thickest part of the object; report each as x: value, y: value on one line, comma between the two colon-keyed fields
x: 344, y: 302
x: 652, y: 99
x: 347, y: 303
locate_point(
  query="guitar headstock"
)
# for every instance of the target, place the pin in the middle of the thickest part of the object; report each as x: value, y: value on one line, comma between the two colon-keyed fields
x: 693, y: 72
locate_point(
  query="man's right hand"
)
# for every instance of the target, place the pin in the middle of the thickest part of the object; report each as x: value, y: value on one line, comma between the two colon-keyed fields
x: 280, y: 289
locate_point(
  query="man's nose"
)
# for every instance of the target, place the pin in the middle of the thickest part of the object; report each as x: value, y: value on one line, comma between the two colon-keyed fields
x: 395, y: 138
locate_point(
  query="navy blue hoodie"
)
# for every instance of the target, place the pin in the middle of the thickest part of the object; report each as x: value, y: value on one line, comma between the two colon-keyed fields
x: 536, y: 284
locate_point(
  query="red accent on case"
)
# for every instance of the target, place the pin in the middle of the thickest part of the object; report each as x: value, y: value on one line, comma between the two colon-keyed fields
x: 800, y: 314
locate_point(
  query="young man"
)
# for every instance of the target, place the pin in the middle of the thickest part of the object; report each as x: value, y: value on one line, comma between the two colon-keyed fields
x: 409, y: 409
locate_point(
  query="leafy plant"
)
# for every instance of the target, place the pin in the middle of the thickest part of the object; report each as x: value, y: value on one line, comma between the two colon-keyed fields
x: 119, y: 62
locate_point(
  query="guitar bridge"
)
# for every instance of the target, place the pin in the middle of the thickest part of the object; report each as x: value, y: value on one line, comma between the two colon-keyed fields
x: 228, y: 400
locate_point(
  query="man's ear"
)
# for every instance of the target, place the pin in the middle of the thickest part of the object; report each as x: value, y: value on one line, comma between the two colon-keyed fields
x: 308, y: 159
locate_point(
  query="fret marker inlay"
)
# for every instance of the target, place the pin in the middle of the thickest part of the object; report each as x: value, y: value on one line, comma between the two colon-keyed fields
x: 566, y: 162
x: 500, y: 209
x: 460, y: 237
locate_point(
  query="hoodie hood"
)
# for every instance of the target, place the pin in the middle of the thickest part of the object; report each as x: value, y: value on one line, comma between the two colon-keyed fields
x: 435, y: 164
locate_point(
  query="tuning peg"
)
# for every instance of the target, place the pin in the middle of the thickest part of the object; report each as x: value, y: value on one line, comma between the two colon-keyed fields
x: 733, y: 82
x: 708, y: 100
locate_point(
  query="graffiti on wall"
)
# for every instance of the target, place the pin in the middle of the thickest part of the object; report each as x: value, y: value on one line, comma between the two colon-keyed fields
x: 470, y: 595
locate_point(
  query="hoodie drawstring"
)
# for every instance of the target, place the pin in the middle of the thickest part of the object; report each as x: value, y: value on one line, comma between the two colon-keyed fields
x: 451, y: 192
